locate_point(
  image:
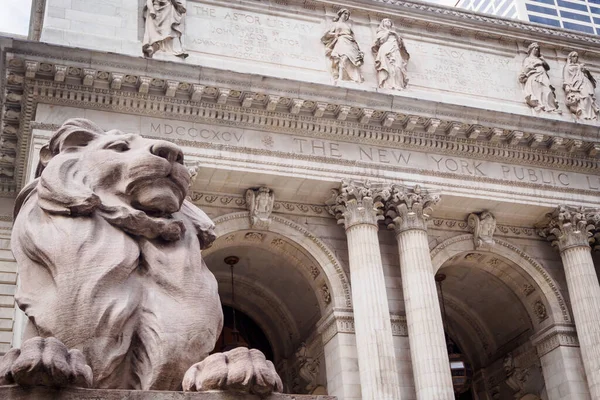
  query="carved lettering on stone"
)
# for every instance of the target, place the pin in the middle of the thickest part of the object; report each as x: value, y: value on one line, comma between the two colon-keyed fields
x: 580, y: 89
x: 391, y: 57
x: 260, y: 204
x: 163, y: 29
x: 342, y: 49
x: 539, y: 93
x: 483, y: 226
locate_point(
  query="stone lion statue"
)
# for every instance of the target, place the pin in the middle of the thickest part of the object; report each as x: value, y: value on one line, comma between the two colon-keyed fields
x: 112, y: 279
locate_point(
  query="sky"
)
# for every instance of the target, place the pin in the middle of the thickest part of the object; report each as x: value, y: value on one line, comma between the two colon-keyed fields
x: 14, y: 16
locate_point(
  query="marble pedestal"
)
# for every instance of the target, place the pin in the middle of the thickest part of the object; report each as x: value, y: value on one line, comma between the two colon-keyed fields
x: 42, y: 393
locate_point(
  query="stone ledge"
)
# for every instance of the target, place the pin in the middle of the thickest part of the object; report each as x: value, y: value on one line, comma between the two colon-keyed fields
x: 42, y: 393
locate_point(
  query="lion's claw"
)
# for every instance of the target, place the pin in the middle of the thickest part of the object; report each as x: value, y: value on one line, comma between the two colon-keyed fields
x: 45, y: 362
x: 241, y: 369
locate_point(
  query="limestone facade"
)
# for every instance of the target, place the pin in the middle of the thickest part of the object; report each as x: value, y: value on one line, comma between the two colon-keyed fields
x: 455, y: 173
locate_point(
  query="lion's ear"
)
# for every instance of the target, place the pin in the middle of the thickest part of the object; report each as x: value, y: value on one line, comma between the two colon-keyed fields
x: 45, y: 157
x: 74, y: 133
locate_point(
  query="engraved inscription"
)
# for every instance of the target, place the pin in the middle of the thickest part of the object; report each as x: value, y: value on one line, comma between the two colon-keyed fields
x: 463, y: 71
x: 252, y: 36
x: 347, y: 151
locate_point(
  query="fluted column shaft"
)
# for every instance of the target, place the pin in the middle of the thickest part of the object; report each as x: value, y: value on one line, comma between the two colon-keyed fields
x: 358, y: 210
x: 428, y: 350
x: 568, y: 229
x: 584, y: 291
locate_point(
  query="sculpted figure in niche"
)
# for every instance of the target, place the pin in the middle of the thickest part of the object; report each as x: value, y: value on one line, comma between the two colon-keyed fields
x: 109, y: 253
x: 539, y: 93
x: 391, y: 57
x: 163, y: 27
x: 342, y: 49
x: 580, y: 88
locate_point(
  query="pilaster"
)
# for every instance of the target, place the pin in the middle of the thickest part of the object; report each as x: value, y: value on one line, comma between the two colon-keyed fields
x: 562, y: 365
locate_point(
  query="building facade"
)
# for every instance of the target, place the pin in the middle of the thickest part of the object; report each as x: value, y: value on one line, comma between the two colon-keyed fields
x: 392, y: 176
x: 582, y: 16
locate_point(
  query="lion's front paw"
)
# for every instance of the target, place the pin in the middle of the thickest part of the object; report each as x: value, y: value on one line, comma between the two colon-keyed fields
x: 45, y: 362
x: 240, y: 369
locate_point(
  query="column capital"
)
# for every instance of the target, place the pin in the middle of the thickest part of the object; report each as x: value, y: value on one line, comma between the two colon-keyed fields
x: 358, y: 203
x: 409, y: 207
x: 570, y: 226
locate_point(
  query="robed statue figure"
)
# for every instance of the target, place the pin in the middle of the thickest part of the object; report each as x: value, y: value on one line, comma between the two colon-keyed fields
x: 163, y: 27
x: 580, y: 88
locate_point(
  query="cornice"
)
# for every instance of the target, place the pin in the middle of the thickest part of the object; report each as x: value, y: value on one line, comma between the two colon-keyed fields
x: 274, y: 94
x: 414, y: 133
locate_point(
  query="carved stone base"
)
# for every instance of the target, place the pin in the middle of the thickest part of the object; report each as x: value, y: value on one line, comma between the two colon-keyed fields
x: 42, y: 393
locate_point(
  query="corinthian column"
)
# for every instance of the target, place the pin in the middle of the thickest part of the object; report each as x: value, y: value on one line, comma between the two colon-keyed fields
x: 569, y: 229
x: 407, y: 214
x: 358, y: 206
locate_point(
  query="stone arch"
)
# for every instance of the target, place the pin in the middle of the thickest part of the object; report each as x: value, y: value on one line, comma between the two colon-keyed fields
x: 557, y: 307
x: 273, y: 319
x: 296, y: 243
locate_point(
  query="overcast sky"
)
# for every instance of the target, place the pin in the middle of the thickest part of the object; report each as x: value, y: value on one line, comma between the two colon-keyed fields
x: 14, y: 14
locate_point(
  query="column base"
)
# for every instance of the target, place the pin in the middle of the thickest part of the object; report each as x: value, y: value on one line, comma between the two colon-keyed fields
x: 43, y: 393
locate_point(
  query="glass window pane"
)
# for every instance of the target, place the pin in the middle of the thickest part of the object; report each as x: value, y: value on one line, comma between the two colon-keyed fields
x: 543, y: 10
x: 545, y: 21
x: 576, y: 17
x: 594, y: 1
x: 551, y: 2
x: 574, y: 6
x: 577, y: 27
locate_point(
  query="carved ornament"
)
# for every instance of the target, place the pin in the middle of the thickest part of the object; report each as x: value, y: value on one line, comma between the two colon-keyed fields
x: 483, y: 226
x: 570, y: 226
x: 260, y: 204
x: 358, y: 203
x: 408, y: 208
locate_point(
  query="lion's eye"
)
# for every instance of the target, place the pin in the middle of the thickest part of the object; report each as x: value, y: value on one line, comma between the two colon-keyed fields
x: 119, y: 146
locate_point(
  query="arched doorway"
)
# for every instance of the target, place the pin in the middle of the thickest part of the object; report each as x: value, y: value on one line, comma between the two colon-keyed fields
x: 497, y: 298
x: 285, y: 282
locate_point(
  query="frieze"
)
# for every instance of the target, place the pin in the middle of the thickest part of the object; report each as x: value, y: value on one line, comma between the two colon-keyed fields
x: 342, y: 321
x: 327, y: 127
x: 554, y: 337
x: 313, y: 210
x: 188, y: 110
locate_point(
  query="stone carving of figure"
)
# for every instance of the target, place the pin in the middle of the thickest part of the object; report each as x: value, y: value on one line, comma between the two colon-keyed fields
x: 308, y: 368
x: 483, y: 227
x: 539, y: 93
x: 391, y: 57
x: 260, y: 204
x: 163, y: 27
x: 516, y: 377
x: 580, y: 88
x: 342, y: 49
x: 109, y: 255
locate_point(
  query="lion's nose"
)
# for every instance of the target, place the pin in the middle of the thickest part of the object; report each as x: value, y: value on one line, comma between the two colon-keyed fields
x: 168, y: 151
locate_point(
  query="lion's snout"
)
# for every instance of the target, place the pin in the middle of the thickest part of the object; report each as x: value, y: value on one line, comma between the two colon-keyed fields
x: 167, y: 150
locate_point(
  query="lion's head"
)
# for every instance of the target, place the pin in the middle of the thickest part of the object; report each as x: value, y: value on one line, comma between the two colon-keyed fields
x: 133, y: 182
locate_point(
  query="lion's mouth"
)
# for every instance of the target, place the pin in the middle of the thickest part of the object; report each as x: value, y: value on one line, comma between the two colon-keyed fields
x: 159, y: 194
